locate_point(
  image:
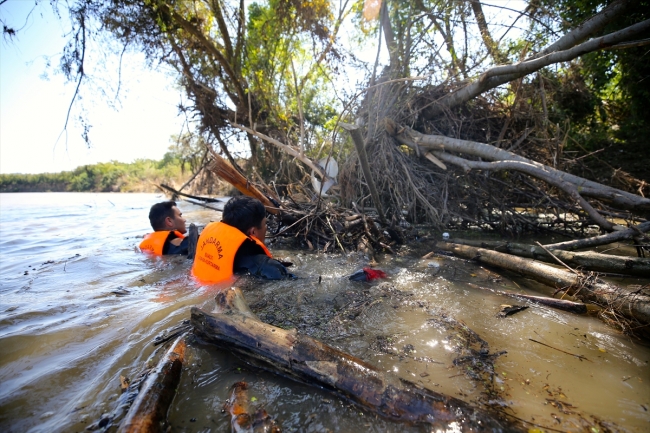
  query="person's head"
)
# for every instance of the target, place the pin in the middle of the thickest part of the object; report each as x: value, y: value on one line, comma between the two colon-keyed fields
x: 166, y: 216
x: 246, y: 214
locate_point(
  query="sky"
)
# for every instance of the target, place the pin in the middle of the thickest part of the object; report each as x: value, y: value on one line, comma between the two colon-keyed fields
x: 34, y: 100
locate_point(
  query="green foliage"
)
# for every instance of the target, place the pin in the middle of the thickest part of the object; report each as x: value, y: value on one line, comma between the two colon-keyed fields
x: 606, y: 92
x: 139, y: 176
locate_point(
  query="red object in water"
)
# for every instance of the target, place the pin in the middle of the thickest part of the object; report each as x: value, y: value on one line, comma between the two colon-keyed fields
x: 367, y: 274
x: 373, y: 274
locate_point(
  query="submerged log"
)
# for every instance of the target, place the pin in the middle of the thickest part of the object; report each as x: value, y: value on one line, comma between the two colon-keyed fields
x: 149, y: 410
x: 633, y: 308
x: 588, y: 260
x: 309, y: 360
x: 559, y: 304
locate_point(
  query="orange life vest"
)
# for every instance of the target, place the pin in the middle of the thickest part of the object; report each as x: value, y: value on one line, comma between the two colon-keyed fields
x: 215, y: 252
x: 153, y: 243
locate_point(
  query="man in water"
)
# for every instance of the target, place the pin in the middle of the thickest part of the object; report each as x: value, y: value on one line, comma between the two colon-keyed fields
x: 169, y: 230
x: 236, y: 244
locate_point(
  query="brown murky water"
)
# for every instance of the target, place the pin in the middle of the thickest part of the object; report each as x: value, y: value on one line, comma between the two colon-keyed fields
x: 79, y: 306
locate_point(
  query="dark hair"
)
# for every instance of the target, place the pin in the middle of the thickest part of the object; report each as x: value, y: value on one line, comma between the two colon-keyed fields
x: 243, y: 213
x: 159, y: 212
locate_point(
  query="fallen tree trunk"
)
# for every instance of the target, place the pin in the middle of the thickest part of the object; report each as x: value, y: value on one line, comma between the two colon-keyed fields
x: 631, y: 309
x: 588, y: 260
x: 560, y: 304
x: 595, y: 241
x: 149, y: 410
x: 308, y: 360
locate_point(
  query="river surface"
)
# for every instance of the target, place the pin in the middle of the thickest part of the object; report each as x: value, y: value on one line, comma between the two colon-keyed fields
x: 80, y: 306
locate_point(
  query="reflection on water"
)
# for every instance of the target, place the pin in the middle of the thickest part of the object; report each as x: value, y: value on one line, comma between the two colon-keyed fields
x: 80, y: 307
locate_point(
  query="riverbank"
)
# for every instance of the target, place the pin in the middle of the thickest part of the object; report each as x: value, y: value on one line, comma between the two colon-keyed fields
x: 139, y: 176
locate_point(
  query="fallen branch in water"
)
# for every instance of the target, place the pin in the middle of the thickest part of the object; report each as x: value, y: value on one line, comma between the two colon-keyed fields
x: 587, y: 260
x: 632, y: 232
x: 631, y: 309
x: 560, y: 304
x: 149, y: 410
x: 580, y: 357
x: 309, y: 360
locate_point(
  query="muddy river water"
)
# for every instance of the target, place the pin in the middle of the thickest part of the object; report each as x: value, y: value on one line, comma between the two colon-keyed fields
x: 80, y: 307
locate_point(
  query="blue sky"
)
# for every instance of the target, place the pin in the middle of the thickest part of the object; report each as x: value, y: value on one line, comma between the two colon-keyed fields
x: 34, y: 99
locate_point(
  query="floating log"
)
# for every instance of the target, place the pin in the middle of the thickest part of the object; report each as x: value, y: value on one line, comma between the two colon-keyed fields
x: 588, y: 260
x: 560, y: 304
x: 632, y: 307
x: 149, y: 410
x: 308, y: 360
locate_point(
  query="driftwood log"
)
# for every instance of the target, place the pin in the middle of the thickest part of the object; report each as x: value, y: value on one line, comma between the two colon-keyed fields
x: 587, y: 260
x: 631, y: 308
x: 559, y: 304
x: 308, y: 360
x: 631, y: 233
x: 149, y: 410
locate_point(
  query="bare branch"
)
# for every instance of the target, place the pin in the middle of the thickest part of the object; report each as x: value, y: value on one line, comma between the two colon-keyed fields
x: 502, y: 74
x: 285, y: 148
x: 533, y: 171
x: 588, y: 28
x: 586, y: 187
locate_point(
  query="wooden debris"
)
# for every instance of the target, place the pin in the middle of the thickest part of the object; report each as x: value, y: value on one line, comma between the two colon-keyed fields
x: 149, y: 410
x: 509, y: 310
x: 580, y: 357
x: 309, y: 360
x: 241, y: 419
x: 559, y: 304
x: 609, y: 238
x: 587, y: 260
x: 631, y: 308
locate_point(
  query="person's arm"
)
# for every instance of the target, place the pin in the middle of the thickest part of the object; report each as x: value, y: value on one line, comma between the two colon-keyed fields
x: 175, y: 245
x: 251, y: 258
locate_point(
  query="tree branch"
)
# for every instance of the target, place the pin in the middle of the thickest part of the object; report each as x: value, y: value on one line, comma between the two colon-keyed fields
x: 502, y: 74
x: 586, y: 187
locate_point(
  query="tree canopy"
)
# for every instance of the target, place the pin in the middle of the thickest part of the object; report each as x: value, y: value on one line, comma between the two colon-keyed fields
x: 551, y: 77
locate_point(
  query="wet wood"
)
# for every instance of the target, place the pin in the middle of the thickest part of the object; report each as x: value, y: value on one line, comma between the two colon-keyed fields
x: 308, y: 360
x: 633, y: 306
x: 149, y: 410
x: 587, y: 260
x: 606, y: 239
x: 559, y: 304
x: 241, y: 419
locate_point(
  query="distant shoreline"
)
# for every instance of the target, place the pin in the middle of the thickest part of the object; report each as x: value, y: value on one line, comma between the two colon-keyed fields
x: 139, y: 176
